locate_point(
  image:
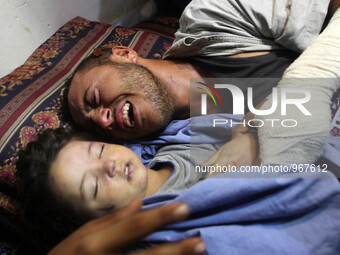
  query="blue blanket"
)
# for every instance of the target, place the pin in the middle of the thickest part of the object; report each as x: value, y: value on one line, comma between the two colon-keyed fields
x: 199, y: 130
x: 192, y: 130
x: 259, y: 216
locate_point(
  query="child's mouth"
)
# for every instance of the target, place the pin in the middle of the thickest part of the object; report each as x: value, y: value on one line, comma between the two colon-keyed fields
x: 128, y: 172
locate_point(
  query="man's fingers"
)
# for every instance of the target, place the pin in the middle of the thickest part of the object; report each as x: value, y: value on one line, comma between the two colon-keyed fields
x: 112, y: 218
x: 133, y: 228
x: 190, y: 246
x: 239, y: 130
x: 131, y: 209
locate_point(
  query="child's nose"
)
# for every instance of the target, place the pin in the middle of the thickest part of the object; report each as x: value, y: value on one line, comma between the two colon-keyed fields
x: 110, y: 168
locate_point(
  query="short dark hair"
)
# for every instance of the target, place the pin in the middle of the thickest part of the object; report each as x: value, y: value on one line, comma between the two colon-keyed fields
x: 47, y: 220
x: 97, y: 58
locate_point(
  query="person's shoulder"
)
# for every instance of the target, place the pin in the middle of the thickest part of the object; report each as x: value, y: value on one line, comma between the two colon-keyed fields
x: 188, y: 150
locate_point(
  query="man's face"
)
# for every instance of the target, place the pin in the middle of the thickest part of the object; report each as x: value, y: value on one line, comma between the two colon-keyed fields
x: 125, y: 101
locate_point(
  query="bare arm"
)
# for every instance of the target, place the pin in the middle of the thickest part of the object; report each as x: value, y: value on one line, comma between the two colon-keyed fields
x: 333, y: 6
x: 317, y: 70
x: 240, y: 151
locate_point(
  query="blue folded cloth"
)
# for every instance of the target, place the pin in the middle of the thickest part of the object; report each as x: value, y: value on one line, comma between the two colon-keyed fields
x: 192, y: 130
x: 285, y: 215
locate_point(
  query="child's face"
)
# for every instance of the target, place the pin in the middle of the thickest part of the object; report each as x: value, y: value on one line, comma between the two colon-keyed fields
x: 97, y: 178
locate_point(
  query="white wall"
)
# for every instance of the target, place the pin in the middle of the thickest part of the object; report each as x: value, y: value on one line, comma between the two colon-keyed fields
x: 25, y: 24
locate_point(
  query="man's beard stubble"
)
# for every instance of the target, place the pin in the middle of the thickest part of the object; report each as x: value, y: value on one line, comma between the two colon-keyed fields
x: 135, y: 77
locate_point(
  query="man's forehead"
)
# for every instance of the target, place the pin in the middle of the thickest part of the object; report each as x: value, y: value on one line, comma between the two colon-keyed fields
x: 84, y: 79
x: 79, y: 82
x: 76, y: 94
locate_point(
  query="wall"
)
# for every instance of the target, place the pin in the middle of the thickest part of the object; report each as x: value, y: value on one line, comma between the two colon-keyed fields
x: 26, y: 24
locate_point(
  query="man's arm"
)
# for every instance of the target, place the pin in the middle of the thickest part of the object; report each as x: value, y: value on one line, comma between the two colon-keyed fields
x: 115, y: 233
x: 240, y: 151
x: 305, y: 143
x: 333, y: 6
x: 239, y: 130
x: 317, y: 70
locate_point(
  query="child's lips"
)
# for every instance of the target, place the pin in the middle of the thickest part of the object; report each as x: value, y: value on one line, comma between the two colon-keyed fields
x: 129, y: 171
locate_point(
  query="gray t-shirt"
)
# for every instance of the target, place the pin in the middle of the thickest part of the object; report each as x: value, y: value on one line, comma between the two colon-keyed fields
x: 185, y: 159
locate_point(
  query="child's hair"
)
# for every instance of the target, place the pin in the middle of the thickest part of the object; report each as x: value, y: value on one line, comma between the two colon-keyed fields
x: 47, y: 219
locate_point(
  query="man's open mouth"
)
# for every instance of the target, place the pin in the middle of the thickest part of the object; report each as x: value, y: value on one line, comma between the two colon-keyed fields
x: 128, y: 115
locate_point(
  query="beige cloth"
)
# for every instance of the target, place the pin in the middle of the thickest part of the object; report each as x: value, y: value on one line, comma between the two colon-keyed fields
x: 317, y: 70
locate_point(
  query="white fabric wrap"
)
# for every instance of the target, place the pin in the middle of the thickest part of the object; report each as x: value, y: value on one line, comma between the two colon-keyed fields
x: 317, y: 70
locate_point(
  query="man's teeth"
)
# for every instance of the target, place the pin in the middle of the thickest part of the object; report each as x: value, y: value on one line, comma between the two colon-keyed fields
x: 127, y: 121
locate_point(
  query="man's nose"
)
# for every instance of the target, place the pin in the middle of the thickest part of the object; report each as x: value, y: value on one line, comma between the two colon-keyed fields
x: 104, y: 118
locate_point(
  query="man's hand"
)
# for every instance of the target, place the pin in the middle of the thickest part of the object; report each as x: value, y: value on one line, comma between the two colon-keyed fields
x: 114, y: 233
x: 241, y: 151
x: 242, y: 129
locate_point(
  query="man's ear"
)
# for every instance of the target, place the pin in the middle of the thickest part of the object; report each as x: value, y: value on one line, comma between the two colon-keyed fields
x: 123, y: 54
